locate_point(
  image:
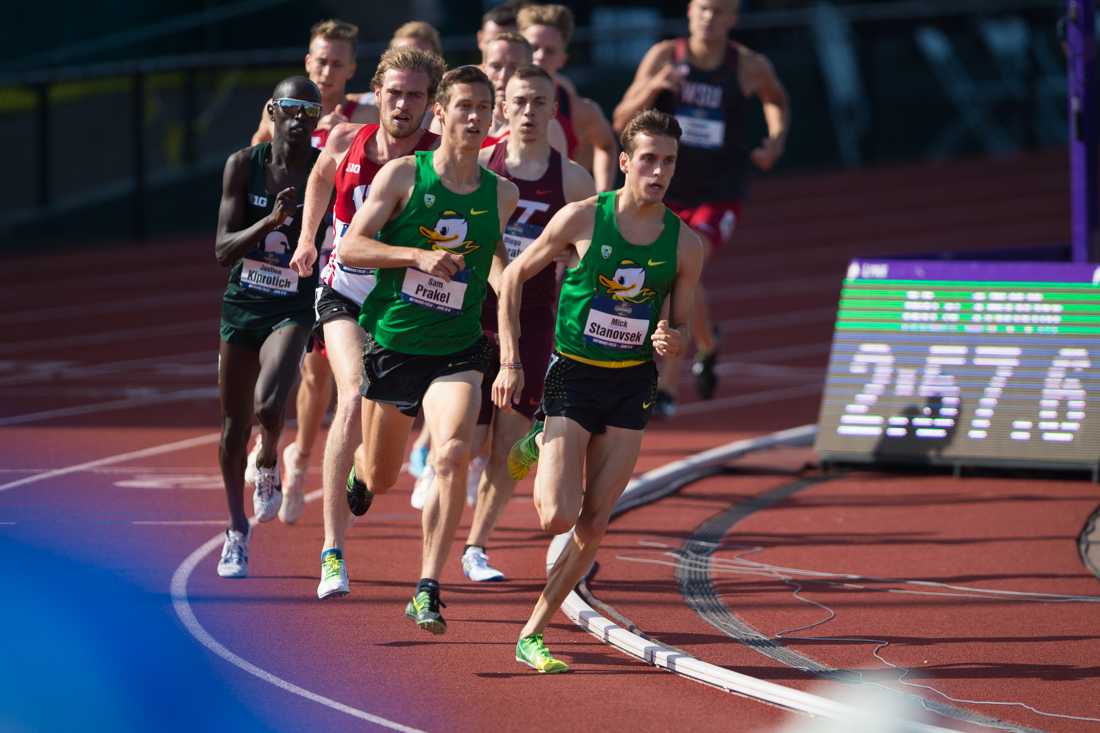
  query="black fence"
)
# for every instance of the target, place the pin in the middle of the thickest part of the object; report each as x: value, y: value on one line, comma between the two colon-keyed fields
x: 134, y: 149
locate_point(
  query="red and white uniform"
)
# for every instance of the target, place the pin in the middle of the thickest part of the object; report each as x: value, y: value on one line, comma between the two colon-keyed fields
x: 353, y: 179
x: 320, y: 136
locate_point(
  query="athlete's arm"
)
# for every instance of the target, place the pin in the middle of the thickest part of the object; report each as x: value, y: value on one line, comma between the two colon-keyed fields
x: 573, y: 223
x: 318, y: 195
x: 232, y: 242
x: 388, y: 194
x: 266, y: 130
x: 593, y: 128
x: 655, y: 74
x: 556, y: 136
x: 760, y: 79
x: 668, y: 338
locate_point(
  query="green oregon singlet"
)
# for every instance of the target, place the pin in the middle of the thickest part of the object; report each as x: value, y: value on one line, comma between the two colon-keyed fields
x: 415, y: 313
x: 611, y: 301
x: 262, y: 287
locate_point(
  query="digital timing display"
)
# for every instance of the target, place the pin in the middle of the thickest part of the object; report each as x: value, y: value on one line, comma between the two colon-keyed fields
x: 970, y: 363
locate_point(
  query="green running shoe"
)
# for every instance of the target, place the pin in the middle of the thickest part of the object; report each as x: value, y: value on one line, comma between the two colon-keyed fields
x: 424, y: 610
x: 525, y: 453
x: 531, y: 651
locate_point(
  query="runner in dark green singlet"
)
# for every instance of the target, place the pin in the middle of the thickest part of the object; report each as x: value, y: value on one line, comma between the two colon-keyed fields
x: 439, y: 218
x: 267, y: 310
x: 628, y: 255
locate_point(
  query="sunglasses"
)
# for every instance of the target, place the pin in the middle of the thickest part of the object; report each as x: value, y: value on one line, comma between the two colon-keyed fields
x: 293, y: 106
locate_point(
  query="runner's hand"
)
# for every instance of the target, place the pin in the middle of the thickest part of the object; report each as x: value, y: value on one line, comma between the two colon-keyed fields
x: 666, y: 341
x: 668, y: 79
x: 305, y: 255
x: 285, y: 202
x: 439, y: 263
x: 331, y: 120
x: 769, y: 151
x: 507, y: 388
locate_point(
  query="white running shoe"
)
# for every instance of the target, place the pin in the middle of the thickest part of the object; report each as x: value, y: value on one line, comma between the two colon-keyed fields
x: 250, y: 464
x: 294, y: 492
x: 268, y: 496
x: 476, y: 567
x: 234, y: 559
x: 473, y: 478
x: 334, y: 578
x: 422, y: 488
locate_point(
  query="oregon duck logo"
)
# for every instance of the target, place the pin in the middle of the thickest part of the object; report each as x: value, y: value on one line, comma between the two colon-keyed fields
x: 449, y: 234
x: 628, y: 283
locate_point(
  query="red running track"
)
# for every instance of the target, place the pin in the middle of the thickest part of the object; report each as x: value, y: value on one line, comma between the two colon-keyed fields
x: 127, y: 362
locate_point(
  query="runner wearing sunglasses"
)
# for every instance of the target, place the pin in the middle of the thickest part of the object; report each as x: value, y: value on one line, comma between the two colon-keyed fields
x: 267, y: 309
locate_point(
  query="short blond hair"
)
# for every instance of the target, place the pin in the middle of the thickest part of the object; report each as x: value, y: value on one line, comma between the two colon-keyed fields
x: 421, y: 31
x: 515, y: 39
x: 333, y: 29
x: 555, y: 16
x: 463, y: 75
x: 410, y: 59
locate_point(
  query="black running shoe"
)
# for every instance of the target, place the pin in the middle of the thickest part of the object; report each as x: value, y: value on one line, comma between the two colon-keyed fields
x: 706, y: 381
x: 664, y: 405
x: 359, y: 496
x: 424, y: 610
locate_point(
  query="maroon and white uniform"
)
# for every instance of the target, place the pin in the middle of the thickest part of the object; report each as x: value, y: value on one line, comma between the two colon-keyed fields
x: 538, y: 202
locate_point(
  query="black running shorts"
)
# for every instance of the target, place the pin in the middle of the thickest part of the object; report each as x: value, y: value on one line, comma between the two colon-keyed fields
x: 393, y: 378
x: 600, y: 397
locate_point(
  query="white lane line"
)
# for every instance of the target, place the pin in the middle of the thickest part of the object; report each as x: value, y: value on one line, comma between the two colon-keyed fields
x: 6, y: 524
x: 187, y: 616
x: 182, y: 395
x: 178, y: 522
x: 67, y: 371
x: 110, y: 337
x: 114, y: 306
x: 119, y: 458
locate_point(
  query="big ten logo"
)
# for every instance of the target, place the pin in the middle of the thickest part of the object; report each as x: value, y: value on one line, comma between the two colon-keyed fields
x: 529, y: 209
x: 985, y: 374
x: 359, y: 195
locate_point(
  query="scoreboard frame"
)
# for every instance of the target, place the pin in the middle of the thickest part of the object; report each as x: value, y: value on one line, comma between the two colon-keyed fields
x: 957, y: 363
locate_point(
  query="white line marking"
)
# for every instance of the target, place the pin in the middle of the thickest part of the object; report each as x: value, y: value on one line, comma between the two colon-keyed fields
x: 187, y: 616
x: 196, y: 393
x: 108, y: 337
x: 68, y: 371
x: 115, y: 306
x: 178, y: 522
x: 119, y: 458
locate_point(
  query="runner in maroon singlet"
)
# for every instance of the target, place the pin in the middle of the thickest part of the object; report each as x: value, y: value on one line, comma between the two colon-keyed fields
x: 547, y: 181
x: 706, y: 81
x: 404, y: 84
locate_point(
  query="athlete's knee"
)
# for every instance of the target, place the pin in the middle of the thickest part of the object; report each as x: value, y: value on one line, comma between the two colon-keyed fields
x: 591, y: 528
x: 348, y: 409
x: 451, y: 457
x: 235, y: 434
x: 554, y: 517
x: 269, y: 413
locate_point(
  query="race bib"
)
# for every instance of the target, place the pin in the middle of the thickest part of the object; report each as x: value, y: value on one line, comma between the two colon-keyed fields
x: 267, y: 278
x: 617, y: 324
x: 432, y: 292
x: 701, y: 128
x: 518, y: 237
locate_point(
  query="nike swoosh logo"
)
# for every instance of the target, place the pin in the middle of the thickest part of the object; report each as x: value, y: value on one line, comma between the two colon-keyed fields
x: 475, y: 212
x: 646, y: 405
x: 657, y: 264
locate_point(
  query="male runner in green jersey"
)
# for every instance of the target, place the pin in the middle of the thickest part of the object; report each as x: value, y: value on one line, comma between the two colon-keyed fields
x: 628, y: 254
x: 433, y: 225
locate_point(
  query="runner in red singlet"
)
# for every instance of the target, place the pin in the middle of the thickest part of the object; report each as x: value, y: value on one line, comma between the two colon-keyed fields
x: 706, y: 80
x: 404, y: 84
x: 547, y: 181
x: 330, y: 64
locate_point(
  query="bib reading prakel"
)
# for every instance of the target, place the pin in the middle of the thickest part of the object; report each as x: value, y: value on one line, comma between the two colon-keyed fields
x: 611, y: 301
x: 416, y: 313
